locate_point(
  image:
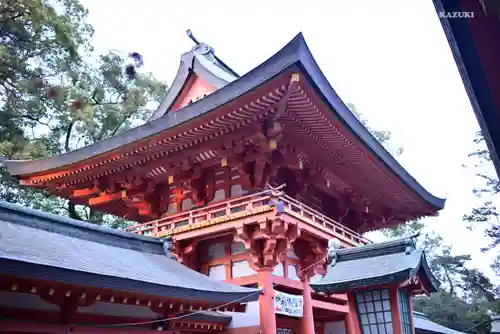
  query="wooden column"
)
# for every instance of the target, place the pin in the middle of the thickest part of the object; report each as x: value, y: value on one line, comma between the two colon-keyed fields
x: 266, y: 301
x: 267, y: 242
x: 410, y: 304
x: 307, y: 321
x: 396, y: 317
x: 312, y: 256
x: 351, y: 319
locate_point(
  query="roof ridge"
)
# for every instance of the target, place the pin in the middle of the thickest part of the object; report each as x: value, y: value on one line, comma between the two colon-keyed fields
x: 400, y: 245
x: 420, y: 315
x: 17, y: 214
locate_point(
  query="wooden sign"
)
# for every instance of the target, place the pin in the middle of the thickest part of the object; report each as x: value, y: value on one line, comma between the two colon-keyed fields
x: 286, y: 304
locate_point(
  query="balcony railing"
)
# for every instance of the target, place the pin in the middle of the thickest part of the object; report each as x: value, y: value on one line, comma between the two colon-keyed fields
x: 250, y: 202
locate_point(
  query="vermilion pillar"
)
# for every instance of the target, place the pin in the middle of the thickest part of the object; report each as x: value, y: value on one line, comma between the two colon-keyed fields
x: 396, y: 317
x: 351, y: 321
x: 266, y: 302
x: 307, y: 322
x: 410, y: 304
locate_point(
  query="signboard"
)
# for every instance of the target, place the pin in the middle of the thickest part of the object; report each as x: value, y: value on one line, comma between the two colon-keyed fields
x: 283, y: 331
x: 215, y: 221
x: 286, y: 304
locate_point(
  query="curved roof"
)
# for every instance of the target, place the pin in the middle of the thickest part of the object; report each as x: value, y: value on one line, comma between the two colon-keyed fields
x: 295, y: 53
x: 370, y: 265
x: 423, y: 324
x: 39, y: 245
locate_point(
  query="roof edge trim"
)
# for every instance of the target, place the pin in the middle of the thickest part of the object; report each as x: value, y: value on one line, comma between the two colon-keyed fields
x: 18, y: 211
x: 331, y: 97
x: 63, y: 275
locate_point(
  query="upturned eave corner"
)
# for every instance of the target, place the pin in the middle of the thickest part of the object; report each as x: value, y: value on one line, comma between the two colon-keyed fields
x: 434, y: 283
x: 309, y: 65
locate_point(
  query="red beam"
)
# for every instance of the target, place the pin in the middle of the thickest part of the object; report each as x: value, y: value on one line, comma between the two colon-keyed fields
x: 341, y: 309
x: 106, y: 198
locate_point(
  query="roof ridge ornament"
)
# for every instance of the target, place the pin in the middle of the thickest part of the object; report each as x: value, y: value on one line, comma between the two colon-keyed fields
x: 333, y: 246
x: 410, y: 243
x: 168, y: 247
x: 201, y: 48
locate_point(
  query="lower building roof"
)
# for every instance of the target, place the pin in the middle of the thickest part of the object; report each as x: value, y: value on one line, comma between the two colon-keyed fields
x: 495, y: 324
x: 38, y: 245
x: 422, y: 323
x: 375, y: 264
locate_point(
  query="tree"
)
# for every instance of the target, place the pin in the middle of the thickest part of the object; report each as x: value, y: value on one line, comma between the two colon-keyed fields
x: 383, y: 136
x: 467, y: 296
x: 447, y: 310
x: 38, y: 44
x: 486, y: 215
x: 56, y: 97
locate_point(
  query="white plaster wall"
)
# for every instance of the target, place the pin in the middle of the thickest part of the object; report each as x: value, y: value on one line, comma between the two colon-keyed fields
x: 251, y: 316
x: 335, y: 327
x: 118, y: 310
x: 25, y: 300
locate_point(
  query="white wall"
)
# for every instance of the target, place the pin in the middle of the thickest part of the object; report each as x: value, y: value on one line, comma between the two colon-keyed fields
x: 335, y: 327
x: 251, y: 316
x: 25, y: 300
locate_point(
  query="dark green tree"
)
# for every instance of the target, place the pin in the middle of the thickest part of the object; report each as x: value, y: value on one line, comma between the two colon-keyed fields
x: 55, y: 96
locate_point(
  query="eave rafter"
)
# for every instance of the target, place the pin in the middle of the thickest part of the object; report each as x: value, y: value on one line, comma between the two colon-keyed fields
x: 273, y: 131
x: 254, y: 110
x: 70, y: 297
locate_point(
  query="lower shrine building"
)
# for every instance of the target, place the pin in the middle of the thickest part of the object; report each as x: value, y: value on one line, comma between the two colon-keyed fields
x: 266, y: 181
x: 58, y: 275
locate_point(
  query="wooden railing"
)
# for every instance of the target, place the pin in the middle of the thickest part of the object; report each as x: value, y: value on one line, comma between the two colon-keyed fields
x: 252, y: 201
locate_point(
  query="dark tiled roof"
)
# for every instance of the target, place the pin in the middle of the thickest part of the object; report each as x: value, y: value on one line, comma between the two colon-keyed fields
x: 495, y: 324
x: 422, y: 323
x: 44, y: 246
x: 295, y: 53
x: 369, y: 265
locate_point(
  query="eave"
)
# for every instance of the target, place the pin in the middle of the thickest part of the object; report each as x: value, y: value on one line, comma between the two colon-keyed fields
x: 295, y: 55
x: 474, y: 44
x: 50, y: 248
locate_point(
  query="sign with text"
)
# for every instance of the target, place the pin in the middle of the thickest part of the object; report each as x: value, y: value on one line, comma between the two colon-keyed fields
x: 283, y: 331
x: 286, y: 304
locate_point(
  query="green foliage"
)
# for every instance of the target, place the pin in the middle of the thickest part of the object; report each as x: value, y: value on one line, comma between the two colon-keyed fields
x: 382, y: 136
x: 447, y: 310
x: 486, y: 215
x: 55, y: 97
x: 467, y: 296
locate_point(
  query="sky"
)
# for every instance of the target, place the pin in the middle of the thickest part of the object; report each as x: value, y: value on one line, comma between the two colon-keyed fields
x: 390, y: 58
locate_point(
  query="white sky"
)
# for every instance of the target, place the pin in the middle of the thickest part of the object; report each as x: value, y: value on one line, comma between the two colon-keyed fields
x: 389, y: 58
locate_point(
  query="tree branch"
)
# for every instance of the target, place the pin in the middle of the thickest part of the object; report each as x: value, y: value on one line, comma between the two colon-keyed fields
x: 38, y: 121
x: 68, y: 136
